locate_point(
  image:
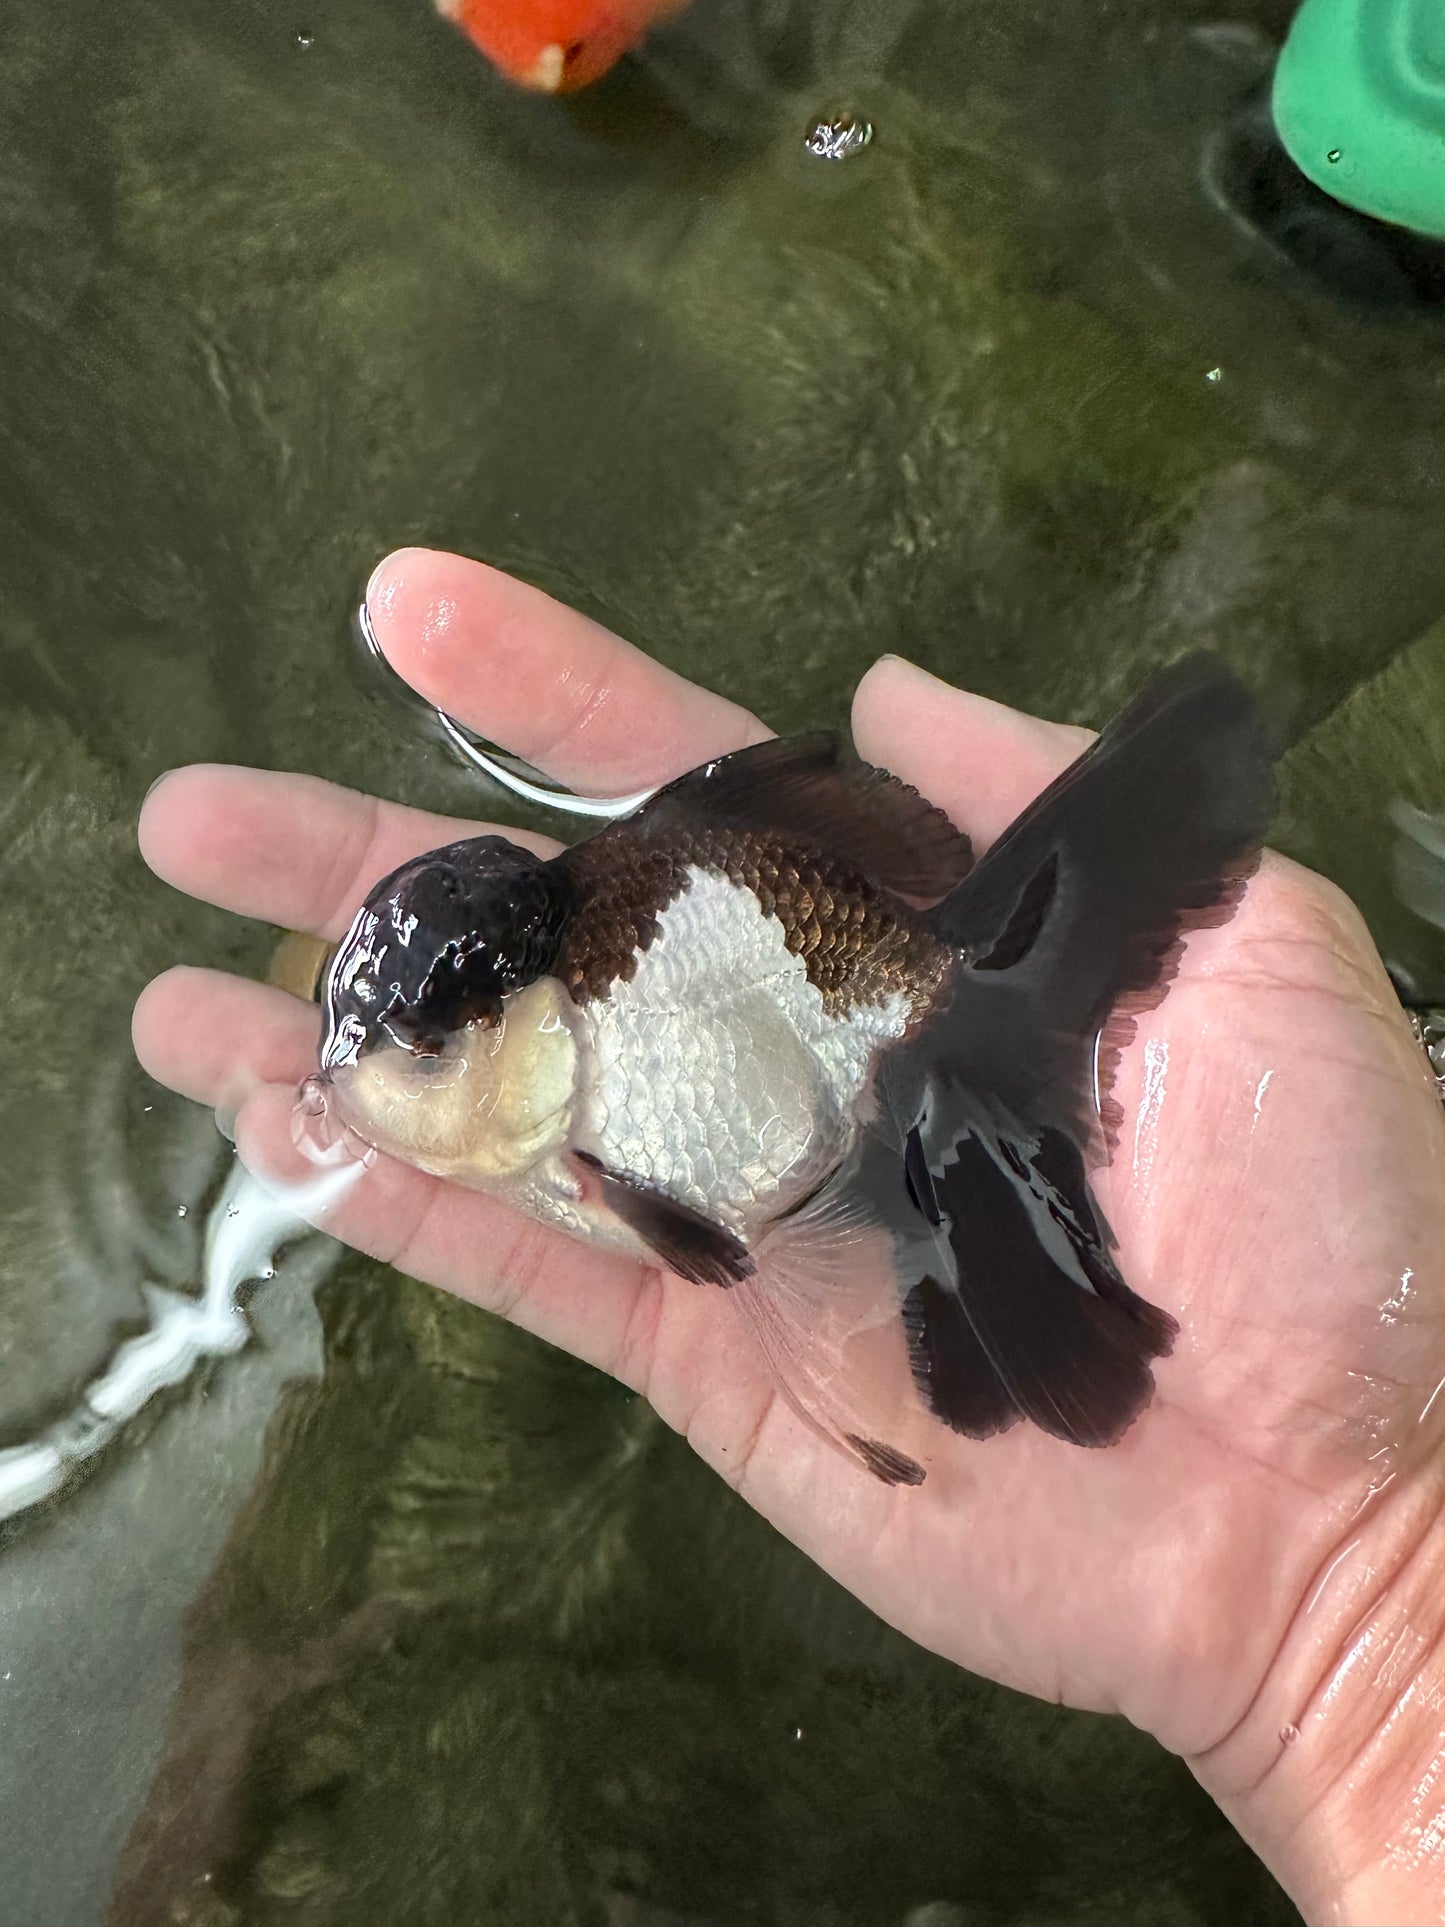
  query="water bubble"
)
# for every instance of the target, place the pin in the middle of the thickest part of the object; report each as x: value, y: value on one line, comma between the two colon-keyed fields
x: 1288, y: 1734
x: 1214, y: 374
x: 305, y: 39
x: 1429, y: 1030
x: 311, y: 1097
x: 181, y: 1210
x: 321, y: 1137
x: 797, y: 1732
x: 1334, y: 155
x: 837, y: 137
x: 313, y: 1130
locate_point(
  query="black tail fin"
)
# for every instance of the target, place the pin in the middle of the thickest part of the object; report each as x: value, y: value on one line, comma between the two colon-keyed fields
x: 1079, y: 912
x: 1032, y: 1320
x: 1072, y: 923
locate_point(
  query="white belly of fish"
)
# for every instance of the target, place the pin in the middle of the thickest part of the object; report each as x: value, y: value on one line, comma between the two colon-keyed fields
x: 716, y: 1074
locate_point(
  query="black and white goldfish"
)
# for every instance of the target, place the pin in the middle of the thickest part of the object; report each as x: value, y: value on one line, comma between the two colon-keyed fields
x: 777, y: 1031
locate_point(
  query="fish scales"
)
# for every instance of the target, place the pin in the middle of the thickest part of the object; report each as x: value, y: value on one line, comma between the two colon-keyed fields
x: 859, y: 944
x: 718, y: 1069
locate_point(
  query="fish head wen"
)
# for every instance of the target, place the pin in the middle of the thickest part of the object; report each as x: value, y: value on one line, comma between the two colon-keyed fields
x: 446, y: 1042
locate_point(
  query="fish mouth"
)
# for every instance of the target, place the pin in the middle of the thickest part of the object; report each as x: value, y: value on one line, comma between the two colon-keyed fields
x: 383, y: 1099
x: 547, y: 71
x: 492, y: 1101
x: 319, y: 1129
x: 545, y: 74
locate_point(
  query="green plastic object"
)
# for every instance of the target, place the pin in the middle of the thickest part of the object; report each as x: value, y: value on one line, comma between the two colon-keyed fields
x: 1359, y: 102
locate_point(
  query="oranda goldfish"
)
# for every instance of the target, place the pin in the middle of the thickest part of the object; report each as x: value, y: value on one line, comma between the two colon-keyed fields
x: 556, y: 46
x: 777, y: 1032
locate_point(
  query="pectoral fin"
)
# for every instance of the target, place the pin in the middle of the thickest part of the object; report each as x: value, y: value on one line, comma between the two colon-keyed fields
x: 686, y: 1241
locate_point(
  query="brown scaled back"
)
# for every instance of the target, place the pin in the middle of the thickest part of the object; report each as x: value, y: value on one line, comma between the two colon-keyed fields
x: 859, y: 944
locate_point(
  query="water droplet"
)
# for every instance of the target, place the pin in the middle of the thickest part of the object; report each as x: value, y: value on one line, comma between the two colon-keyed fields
x: 1288, y: 1734
x: 1334, y: 155
x: 322, y: 1137
x: 181, y: 1210
x: 837, y: 137
x: 305, y: 38
x: 797, y: 1732
x: 147, y: 1107
x: 311, y: 1097
x: 1214, y: 374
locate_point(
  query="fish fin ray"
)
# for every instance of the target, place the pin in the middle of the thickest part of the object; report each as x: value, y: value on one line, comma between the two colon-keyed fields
x: 1035, y: 1299
x: 822, y: 1309
x: 955, y: 1377
x: 1084, y: 904
x: 693, y: 1245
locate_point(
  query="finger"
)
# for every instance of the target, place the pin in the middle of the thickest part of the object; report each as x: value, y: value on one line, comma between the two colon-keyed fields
x: 596, y: 1304
x: 216, y: 1038
x: 244, y: 1047
x: 978, y: 760
x: 291, y: 850
x: 543, y: 680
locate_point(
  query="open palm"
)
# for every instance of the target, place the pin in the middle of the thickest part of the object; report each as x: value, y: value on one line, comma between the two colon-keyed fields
x: 1279, y: 1186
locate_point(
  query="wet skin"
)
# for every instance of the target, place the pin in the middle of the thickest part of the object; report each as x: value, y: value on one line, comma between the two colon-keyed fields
x: 1263, y: 1551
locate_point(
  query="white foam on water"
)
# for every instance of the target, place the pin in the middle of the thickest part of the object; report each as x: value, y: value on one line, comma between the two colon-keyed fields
x: 248, y: 1226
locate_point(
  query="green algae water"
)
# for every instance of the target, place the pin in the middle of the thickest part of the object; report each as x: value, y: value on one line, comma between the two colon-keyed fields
x: 396, y: 1616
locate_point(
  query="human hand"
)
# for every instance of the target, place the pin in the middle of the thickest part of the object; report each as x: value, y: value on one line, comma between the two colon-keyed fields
x: 1237, y: 1566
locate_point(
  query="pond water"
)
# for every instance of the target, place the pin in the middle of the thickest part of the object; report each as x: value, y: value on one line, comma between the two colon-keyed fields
x: 391, y: 1614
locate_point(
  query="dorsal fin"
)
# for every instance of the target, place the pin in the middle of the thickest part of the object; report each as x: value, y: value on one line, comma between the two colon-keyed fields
x: 816, y: 791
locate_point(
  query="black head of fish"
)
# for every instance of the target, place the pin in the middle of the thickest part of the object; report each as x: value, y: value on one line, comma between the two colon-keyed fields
x: 440, y: 943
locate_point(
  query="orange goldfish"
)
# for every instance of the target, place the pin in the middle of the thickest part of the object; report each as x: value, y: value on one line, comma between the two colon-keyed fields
x: 556, y: 46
